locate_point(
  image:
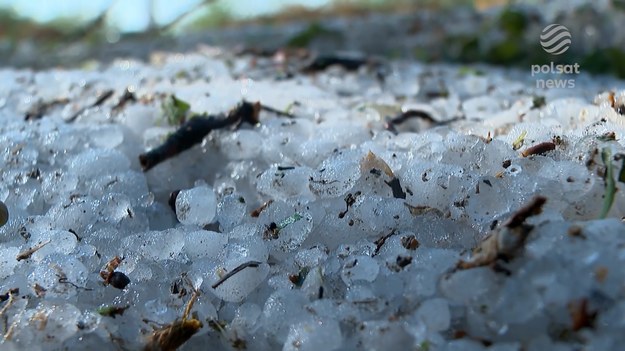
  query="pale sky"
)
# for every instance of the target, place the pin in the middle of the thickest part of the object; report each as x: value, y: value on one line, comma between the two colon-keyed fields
x: 131, y: 15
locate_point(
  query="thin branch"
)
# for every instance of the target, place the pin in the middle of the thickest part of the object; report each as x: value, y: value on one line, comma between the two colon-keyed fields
x: 184, y: 15
x: 241, y: 267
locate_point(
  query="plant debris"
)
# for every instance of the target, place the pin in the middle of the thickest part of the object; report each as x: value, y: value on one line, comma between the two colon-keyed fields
x: 112, y: 311
x: 538, y: 101
x: 286, y: 113
x: 350, y: 199
x: 410, y: 242
x: 7, y: 295
x: 252, y: 264
x: 322, y: 62
x: 170, y: 337
x: 610, y: 185
x: 172, y: 199
x: 24, y: 255
x: 99, y: 101
x: 581, y: 317
x: 112, y: 277
x: 175, y: 110
x: 395, y: 185
x: 421, y: 210
x: 539, y: 149
x: 406, y: 115
x: 127, y: 96
x: 4, y: 214
x: 506, y: 241
x: 39, y: 109
x: 298, y: 279
x: 195, y: 129
x: 262, y: 207
x: 380, y: 242
x: 289, y: 220
x: 519, y: 141
x: 372, y: 163
x: 607, y: 136
x: 62, y: 278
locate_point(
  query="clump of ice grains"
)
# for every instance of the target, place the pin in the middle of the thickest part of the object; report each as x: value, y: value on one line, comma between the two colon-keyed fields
x: 320, y: 231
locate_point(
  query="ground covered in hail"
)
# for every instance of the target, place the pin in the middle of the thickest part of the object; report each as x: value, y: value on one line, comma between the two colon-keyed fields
x: 267, y: 201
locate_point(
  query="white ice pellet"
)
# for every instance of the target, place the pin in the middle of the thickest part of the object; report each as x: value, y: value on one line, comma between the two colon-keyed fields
x: 313, y: 335
x: 335, y: 176
x: 247, y: 316
x: 196, y: 206
x: 57, y: 184
x: 93, y: 163
x: 241, y: 145
x: 157, y: 245
x: 281, y: 310
x: 58, y: 241
x: 435, y: 314
x: 138, y: 117
x: 359, y: 268
x: 327, y: 252
x: 107, y: 136
x: 463, y: 286
x: 284, y: 184
x: 8, y: 261
x: 240, y: 285
x: 293, y: 230
x: 480, y: 107
x: 204, y: 243
x: 230, y: 211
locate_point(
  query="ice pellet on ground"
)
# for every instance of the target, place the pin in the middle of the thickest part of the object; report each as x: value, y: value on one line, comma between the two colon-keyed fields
x: 334, y: 223
x: 359, y: 268
x: 435, y: 314
x: 236, y: 288
x: 204, y: 243
x: 196, y: 206
x: 314, y: 335
x: 8, y: 255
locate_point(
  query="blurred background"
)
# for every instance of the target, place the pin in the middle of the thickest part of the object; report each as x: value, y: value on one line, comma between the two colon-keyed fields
x: 70, y: 33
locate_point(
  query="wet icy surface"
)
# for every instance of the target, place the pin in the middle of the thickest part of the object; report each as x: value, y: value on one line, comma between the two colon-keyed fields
x: 340, y: 259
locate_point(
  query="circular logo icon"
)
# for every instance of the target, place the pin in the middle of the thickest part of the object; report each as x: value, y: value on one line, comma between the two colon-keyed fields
x: 555, y: 39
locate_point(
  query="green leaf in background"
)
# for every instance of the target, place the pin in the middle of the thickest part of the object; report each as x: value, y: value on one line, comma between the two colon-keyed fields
x: 175, y: 110
x: 607, y: 60
x: 610, y: 186
x: 307, y: 36
x: 513, y: 22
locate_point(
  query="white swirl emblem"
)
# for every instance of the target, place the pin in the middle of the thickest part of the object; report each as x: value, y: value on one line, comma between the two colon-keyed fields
x: 555, y: 39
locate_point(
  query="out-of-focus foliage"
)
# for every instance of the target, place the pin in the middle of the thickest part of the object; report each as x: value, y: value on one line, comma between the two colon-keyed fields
x: 214, y: 16
x: 508, y: 36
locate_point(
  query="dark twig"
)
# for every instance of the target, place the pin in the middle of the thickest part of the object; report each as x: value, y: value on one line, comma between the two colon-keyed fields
x: 322, y: 62
x: 195, y: 129
x: 38, y: 110
x: 391, y: 123
x: 276, y: 111
x: 99, y: 101
x: 125, y: 98
x: 395, y: 185
x: 252, y: 264
x: 539, y: 149
x: 380, y: 242
x: 24, y: 255
x: 533, y: 208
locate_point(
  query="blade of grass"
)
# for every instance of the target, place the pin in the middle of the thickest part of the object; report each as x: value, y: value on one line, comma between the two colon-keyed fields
x: 610, y: 186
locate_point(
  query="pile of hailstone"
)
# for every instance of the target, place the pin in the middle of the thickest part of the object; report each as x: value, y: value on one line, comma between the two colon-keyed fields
x: 493, y: 224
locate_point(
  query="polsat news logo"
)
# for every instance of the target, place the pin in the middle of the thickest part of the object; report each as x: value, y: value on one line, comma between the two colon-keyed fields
x: 555, y: 39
